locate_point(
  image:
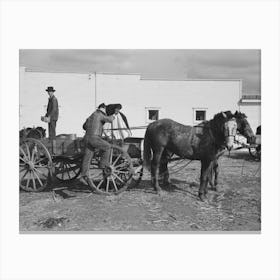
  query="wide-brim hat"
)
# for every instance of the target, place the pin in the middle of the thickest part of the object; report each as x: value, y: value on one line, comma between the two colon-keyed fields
x: 50, y: 89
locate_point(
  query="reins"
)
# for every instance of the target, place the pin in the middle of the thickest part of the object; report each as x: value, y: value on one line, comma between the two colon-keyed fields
x: 181, y: 167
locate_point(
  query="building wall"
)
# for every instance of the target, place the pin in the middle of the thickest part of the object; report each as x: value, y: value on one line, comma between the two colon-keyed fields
x: 75, y: 94
x: 176, y: 99
x: 78, y: 96
x: 253, y: 113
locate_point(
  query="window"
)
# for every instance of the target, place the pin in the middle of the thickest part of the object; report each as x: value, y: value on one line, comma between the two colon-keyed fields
x: 199, y: 115
x: 152, y: 114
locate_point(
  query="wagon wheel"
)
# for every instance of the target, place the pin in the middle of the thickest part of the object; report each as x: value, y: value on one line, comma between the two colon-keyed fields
x: 35, y: 165
x: 66, y: 169
x: 255, y: 152
x: 138, y: 173
x: 114, y: 178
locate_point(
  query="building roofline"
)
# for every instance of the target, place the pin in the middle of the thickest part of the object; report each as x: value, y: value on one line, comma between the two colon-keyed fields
x: 80, y: 72
x: 190, y: 79
x: 132, y: 74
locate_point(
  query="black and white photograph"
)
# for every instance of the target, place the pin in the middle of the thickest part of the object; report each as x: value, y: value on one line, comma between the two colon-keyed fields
x: 140, y: 140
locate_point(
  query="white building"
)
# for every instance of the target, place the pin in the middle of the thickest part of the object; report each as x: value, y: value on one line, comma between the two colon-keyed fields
x: 143, y: 100
x: 251, y: 106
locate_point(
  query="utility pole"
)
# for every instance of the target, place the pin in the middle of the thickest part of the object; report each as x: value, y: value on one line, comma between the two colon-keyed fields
x: 95, y: 92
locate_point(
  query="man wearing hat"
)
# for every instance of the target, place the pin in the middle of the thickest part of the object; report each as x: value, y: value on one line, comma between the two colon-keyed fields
x: 94, y: 129
x: 52, y: 116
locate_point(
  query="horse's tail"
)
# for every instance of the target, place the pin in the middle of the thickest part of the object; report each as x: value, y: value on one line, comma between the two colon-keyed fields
x: 147, y: 155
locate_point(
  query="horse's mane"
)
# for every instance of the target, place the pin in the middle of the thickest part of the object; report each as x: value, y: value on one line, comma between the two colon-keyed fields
x: 220, y: 115
x: 240, y: 115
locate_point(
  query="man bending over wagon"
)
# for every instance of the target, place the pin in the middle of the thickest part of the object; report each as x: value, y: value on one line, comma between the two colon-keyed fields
x: 94, y: 129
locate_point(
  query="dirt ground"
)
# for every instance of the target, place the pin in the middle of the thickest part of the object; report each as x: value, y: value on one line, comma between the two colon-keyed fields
x: 236, y: 206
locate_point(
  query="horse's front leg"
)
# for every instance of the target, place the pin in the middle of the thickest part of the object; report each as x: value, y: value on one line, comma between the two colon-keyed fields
x: 155, y: 169
x: 213, y: 175
x: 204, y: 177
x: 216, y: 172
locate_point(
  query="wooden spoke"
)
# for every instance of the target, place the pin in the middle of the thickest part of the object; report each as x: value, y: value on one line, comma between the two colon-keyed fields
x: 62, y: 173
x: 40, y: 166
x: 22, y: 169
x: 111, y: 155
x: 33, y: 154
x: 67, y: 170
x: 24, y: 174
x: 114, y: 183
x: 75, y: 171
x: 33, y: 181
x: 118, y: 178
x: 116, y: 160
x: 23, y: 152
x: 121, y: 172
x: 60, y: 167
x: 23, y: 159
x: 24, y: 155
x: 107, y: 185
x: 27, y: 184
x: 36, y: 162
x: 100, y: 183
x: 27, y: 148
x: 95, y: 175
x: 38, y: 171
x: 38, y: 178
x: 120, y: 165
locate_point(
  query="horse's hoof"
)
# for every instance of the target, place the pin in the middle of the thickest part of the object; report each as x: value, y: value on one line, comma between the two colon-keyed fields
x: 168, y: 184
x: 159, y: 193
x: 214, y: 188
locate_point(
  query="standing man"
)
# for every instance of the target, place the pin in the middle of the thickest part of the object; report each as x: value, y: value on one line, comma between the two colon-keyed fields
x: 52, y: 116
x: 94, y: 129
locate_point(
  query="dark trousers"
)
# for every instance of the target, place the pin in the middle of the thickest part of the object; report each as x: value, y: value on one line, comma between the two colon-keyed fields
x: 91, y: 143
x: 52, y: 126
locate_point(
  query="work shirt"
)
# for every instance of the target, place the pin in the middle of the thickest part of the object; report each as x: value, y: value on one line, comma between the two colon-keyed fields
x: 94, y: 123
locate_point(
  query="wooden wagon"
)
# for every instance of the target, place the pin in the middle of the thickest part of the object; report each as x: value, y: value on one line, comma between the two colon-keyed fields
x: 39, y: 168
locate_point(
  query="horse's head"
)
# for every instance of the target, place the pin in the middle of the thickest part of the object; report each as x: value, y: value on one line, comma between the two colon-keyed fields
x: 244, y: 127
x: 227, y: 126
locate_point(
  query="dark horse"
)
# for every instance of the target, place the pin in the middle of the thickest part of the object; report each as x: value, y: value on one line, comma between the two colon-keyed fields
x: 244, y: 128
x: 29, y: 132
x: 202, y: 142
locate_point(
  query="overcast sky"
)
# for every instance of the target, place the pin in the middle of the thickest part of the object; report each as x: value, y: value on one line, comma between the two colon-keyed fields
x: 171, y: 64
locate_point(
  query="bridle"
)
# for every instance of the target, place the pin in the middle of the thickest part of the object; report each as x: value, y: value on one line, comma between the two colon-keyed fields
x: 231, y: 131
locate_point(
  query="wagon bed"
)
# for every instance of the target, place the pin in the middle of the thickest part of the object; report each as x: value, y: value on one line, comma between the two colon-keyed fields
x: 39, y: 166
